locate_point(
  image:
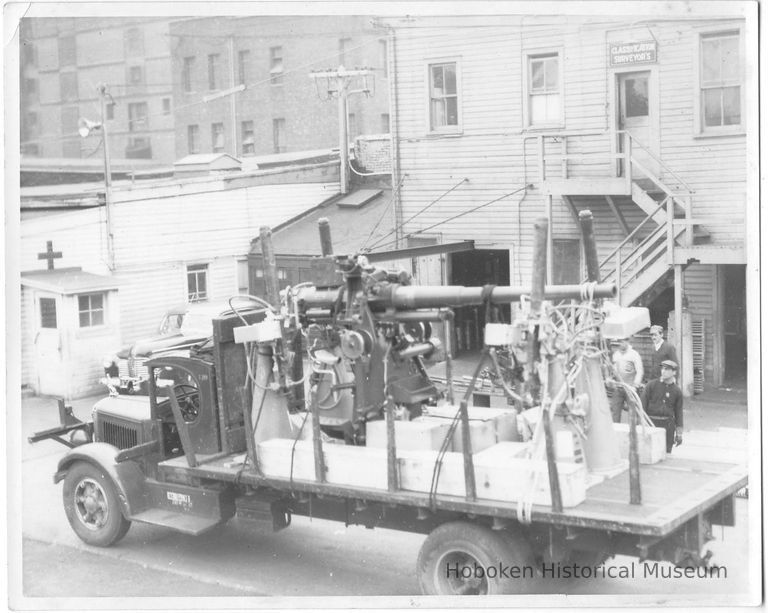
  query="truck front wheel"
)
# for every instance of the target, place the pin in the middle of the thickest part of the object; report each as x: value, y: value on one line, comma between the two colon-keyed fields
x: 92, y: 506
x: 466, y: 558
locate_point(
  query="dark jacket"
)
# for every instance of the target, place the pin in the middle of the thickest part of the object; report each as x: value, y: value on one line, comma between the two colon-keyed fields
x: 666, y: 351
x: 664, y: 400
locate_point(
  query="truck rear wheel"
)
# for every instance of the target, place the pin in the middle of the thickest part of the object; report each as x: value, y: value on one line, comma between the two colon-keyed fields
x: 92, y: 506
x: 465, y: 558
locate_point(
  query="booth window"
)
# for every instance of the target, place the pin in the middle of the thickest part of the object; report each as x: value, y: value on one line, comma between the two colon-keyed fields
x: 197, y: 282
x: 544, y: 90
x: 48, y: 313
x: 720, y: 82
x: 90, y: 308
x: 443, y: 97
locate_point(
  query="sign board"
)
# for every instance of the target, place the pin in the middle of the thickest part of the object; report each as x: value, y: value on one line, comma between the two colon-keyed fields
x: 624, y: 54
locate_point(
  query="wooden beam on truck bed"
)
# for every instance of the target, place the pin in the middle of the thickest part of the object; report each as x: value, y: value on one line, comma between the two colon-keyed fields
x: 696, y: 485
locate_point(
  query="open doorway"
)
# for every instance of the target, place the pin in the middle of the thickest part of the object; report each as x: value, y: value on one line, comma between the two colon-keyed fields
x: 735, y: 324
x: 477, y: 268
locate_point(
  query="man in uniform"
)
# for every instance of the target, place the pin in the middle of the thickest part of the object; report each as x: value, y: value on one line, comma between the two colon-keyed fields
x: 629, y: 365
x: 662, y: 350
x: 663, y: 402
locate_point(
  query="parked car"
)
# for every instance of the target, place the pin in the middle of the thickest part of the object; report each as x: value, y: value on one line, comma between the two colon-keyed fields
x: 180, y: 329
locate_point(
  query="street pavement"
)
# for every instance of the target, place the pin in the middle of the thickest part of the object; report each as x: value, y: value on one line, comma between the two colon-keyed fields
x: 311, y: 558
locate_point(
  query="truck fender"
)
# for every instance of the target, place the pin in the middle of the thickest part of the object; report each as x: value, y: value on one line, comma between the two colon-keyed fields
x: 127, y: 476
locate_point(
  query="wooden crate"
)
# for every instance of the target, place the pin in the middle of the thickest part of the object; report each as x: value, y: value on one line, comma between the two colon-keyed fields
x: 416, y: 434
x: 500, y: 474
x: 482, y: 432
x: 651, y: 443
x: 344, y: 464
x: 504, y: 420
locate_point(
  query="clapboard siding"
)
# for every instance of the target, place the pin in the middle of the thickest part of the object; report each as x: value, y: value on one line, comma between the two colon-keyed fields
x: 495, y: 150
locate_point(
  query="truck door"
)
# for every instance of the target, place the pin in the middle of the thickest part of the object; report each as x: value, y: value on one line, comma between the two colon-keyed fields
x: 193, y: 384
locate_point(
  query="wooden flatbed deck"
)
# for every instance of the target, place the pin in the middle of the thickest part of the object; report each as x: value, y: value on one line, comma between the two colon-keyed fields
x: 673, y: 491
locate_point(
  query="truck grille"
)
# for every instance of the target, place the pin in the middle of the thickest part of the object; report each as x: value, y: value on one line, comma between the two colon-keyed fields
x: 119, y: 435
x: 133, y: 367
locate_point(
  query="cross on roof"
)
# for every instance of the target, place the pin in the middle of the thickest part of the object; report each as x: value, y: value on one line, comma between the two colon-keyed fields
x: 49, y: 254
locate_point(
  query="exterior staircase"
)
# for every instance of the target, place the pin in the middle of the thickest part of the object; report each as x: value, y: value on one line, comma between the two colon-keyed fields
x: 641, y: 265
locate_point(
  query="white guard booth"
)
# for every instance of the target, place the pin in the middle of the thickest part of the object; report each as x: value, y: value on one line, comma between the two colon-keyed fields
x: 70, y: 322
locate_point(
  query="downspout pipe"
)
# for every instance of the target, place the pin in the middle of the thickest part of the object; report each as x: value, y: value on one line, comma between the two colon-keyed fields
x: 394, y: 137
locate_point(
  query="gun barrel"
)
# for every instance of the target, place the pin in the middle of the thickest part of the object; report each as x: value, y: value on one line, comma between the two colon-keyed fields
x: 432, y: 297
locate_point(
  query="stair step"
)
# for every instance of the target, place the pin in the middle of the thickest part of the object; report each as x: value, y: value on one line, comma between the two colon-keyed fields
x: 183, y: 522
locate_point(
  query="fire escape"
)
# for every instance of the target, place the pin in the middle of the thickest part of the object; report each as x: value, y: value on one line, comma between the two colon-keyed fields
x: 603, y: 169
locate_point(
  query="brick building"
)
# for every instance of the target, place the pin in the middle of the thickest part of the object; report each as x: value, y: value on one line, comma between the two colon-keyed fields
x: 279, y: 109
x: 63, y: 61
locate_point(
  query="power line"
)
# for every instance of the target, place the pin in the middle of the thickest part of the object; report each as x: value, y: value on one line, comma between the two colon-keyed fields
x: 402, y: 225
x: 477, y: 208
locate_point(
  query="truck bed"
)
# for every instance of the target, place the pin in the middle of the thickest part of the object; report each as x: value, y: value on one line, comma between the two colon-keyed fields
x: 673, y: 491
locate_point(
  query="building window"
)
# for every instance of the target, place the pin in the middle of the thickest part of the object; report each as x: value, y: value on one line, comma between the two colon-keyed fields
x: 68, y: 86
x: 32, y: 121
x: 134, y: 42
x: 197, y: 282
x: 243, y: 61
x: 217, y: 137
x: 213, y: 71
x: 69, y: 118
x: 720, y: 81
x: 276, y: 65
x: 67, y: 51
x: 90, y: 309
x: 48, y: 313
x: 137, y: 116
x: 28, y: 54
x: 30, y: 87
x: 385, y: 123
x: 249, y: 143
x: 186, y: 73
x: 139, y: 148
x: 443, y: 97
x: 135, y: 75
x: 278, y: 135
x: 344, y: 45
x: 166, y: 106
x: 242, y: 277
x: 384, y: 58
x: 544, y: 90
x: 110, y: 110
x: 566, y: 265
x: 193, y: 139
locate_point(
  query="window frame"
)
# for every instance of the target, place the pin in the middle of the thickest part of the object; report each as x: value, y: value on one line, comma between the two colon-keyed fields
x: 276, y: 121
x: 528, y: 55
x: 142, y: 123
x: 195, y: 269
x: 187, y: 68
x: 239, y: 263
x: 243, y: 64
x: 243, y: 133
x: 217, y: 128
x: 447, y: 130
x: 699, y: 129
x: 193, y: 129
x: 91, y: 310
x: 276, y: 66
x: 214, y: 64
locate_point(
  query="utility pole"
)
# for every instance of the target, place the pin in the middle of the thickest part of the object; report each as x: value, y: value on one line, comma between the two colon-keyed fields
x: 233, y: 99
x: 337, y: 85
x: 107, y: 178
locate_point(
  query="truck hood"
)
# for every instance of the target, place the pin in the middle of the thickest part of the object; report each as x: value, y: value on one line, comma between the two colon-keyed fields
x: 133, y: 408
x: 147, y: 346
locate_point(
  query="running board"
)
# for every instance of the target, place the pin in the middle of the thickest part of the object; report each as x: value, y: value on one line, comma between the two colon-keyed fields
x: 181, y: 522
